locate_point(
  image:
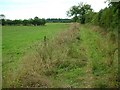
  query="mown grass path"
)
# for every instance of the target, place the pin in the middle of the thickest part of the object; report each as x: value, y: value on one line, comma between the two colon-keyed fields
x: 102, y: 61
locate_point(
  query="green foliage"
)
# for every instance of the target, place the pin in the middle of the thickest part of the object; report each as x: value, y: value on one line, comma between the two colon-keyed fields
x: 58, y: 20
x: 79, y: 12
x: 36, y: 22
x: 89, y: 17
x: 109, y: 17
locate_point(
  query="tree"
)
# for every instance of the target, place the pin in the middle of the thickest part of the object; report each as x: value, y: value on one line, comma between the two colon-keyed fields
x: 43, y: 21
x: 2, y: 19
x: 2, y: 16
x: 25, y: 22
x: 79, y: 12
x: 37, y: 21
x: 9, y: 22
x: 74, y: 11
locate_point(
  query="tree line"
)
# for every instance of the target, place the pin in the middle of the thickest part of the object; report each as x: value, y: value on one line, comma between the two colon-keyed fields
x: 58, y: 20
x: 36, y: 21
x: 108, y: 17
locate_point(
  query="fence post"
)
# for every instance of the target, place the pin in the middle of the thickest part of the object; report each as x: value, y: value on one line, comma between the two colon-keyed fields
x: 45, y: 40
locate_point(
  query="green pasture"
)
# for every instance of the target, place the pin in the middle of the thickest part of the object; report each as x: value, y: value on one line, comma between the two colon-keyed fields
x: 17, y: 40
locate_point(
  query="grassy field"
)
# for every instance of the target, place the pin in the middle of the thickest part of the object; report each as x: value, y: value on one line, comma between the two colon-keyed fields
x: 81, y: 56
x: 17, y: 40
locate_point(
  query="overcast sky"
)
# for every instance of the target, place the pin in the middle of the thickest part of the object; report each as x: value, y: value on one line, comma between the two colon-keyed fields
x: 25, y: 9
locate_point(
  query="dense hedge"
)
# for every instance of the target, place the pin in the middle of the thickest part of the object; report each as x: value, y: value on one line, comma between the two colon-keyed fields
x: 36, y: 22
x: 108, y: 17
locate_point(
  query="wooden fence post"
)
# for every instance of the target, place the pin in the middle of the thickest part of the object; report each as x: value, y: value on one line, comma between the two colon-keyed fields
x: 45, y: 40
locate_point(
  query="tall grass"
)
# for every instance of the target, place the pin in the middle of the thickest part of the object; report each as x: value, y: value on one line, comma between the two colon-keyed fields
x: 82, y: 56
x: 49, y: 58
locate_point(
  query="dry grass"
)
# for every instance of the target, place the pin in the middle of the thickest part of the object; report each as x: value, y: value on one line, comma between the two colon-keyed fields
x: 37, y: 67
x: 71, y: 60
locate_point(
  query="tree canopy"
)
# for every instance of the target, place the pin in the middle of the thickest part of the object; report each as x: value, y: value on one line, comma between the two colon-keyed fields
x: 79, y: 12
x: 108, y: 17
